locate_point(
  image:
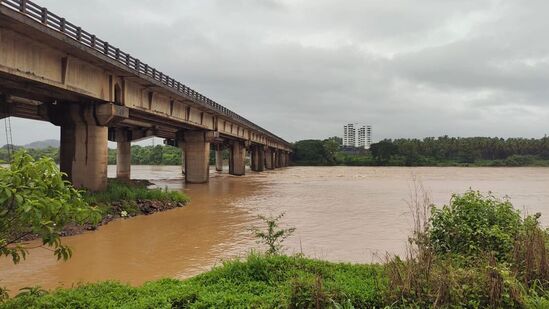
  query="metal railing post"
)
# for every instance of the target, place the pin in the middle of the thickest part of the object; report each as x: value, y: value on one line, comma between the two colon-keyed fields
x: 44, y: 17
x: 23, y: 6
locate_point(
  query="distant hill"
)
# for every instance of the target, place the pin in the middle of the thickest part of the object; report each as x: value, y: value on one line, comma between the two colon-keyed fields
x: 43, y: 144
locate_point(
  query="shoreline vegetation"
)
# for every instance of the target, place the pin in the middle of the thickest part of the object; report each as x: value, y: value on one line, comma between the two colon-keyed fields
x: 476, y: 252
x: 439, y: 152
x: 124, y: 200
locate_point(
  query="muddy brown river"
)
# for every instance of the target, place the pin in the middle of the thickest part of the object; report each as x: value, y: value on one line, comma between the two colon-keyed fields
x: 341, y: 214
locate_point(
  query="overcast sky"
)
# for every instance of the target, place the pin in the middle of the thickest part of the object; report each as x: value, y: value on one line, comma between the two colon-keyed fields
x: 304, y: 68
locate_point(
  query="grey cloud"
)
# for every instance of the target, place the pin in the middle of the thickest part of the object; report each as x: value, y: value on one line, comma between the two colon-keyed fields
x: 304, y: 68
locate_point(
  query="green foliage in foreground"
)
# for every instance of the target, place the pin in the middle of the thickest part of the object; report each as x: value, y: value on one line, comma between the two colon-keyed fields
x: 473, y: 224
x: 258, y: 282
x: 35, y: 200
x: 477, y: 252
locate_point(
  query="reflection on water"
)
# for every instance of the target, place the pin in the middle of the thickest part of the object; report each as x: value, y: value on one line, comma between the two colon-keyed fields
x: 341, y: 214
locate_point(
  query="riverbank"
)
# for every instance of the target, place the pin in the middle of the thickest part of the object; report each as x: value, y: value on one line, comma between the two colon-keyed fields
x: 261, y: 281
x: 258, y: 281
x: 124, y: 200
x: 130, y: 199
x: 343, y: 159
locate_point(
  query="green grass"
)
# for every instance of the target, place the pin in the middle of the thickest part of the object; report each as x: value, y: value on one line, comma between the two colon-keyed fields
x: 118, y: 191
x: 257, y: 282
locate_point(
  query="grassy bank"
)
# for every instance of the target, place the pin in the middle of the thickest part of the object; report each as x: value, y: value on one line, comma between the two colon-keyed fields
x: 294, y: 282
x: 122, y: 200
x: 258, y: 281
x: 132, y: 197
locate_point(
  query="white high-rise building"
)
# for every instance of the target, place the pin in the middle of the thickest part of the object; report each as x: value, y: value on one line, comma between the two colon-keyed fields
x: 361, y: 137
x: 368, y: 137
x: 349, y: 135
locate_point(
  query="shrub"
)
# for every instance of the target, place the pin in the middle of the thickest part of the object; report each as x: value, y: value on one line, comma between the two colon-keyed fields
x: 519, y: 160
x: 36, y: 201
x: 530, y: 254
x: 272, y: 236
x: 474, y: 224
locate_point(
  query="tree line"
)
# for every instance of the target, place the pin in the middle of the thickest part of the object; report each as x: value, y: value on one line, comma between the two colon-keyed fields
x: 441, y: 151
x: 141, y: 155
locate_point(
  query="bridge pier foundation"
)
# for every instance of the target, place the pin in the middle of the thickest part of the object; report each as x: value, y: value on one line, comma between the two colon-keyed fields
x: 123, y: 155
x: 218, y: 158
x: 237, y: 157
x: 83, y: 150
x: 197, y: 156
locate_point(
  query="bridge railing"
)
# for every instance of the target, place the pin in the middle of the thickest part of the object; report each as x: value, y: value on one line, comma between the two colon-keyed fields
x: 59, y: 24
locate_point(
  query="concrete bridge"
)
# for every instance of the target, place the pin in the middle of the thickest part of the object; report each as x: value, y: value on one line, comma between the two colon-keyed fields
x: 52, y: 70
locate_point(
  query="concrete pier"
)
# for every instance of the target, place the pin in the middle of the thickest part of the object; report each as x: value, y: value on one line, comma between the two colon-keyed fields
x: 83, y: 150
x: 218, y: 158
x: 275, y: 159
x: 268, y: 158
x: 197, y: 156
x: 237, y: 157
x: 257, y: 158
x: 123, y: 154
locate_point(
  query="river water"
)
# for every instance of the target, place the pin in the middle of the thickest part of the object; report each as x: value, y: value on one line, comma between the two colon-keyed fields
x: 352, y: 214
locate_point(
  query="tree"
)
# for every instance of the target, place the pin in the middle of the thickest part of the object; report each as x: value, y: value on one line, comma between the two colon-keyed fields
x: 383, y: 151
x: 331, y: 147
x: 35, y: 200
x: 311, y: 152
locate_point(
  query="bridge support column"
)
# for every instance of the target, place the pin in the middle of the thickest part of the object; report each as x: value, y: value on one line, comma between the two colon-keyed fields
x: 83, y: 149
x: 197, y: 156
x: 237, y: 157
x: 218, y: 158
x: 275, y: 158
x: 123, y: 154
x: 268, y: 158
x: 280, y: 159
x: 258, y: 158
